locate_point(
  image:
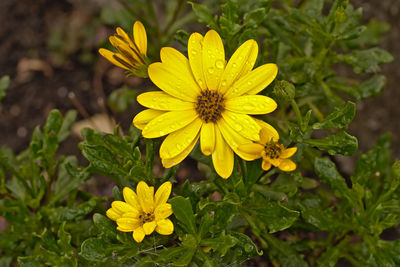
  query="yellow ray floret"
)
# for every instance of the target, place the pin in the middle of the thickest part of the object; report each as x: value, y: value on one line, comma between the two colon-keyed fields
x: 131, y: 53
x: 271, y: 151
x: 205, y: 97
x: 143, y: 211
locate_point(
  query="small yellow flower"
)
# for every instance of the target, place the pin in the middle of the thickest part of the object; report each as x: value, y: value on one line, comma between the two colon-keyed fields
x: 131, y: 53
x: 271, y: 151
x: 205, y: 97
x: 143, y: 212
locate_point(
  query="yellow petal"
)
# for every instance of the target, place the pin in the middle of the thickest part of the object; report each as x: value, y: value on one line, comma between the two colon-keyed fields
x: 162, y: 101
x: 110, y: 57
x: 128, y: 223
x: 122, y: 207
x: 254, y: 81
x: 162, y: 194
x: 288, y: 152
x: 222, y: 157
x: 267, y: 132
x: 162, y: 211
x: 119, y: 228
x: 133, y: 215
x: 145, y: 196
x: 113, y: 214
x: 138, y: 234
x: 207, y: 138
x: 168, y: 123
x: 179, y: 140
x: 243, y: 124
x: 275, y: 162
x: 195, y: 48
x: 266, y: 165
x: 168, y: 163
x: 140, y: 37
x: 149, y: 227
x: 213, y: 55
x: 173, y: 81
x: 234, y: 140
x: 287, y: 165
x: 241, y: 62
x: 165, y: 227
x: 178, y: 64
x: 251, y: 104
x: 144, y: 117
x: 252, y: 148
x: 131, y: 198
x: 126, y: 51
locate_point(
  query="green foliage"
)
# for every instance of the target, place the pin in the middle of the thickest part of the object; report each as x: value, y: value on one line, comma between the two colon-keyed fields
x: 313, y: 216
x: 4, y: 83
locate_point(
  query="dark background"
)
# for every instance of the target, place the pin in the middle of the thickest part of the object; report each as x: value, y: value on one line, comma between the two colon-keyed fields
x: 49, y: 49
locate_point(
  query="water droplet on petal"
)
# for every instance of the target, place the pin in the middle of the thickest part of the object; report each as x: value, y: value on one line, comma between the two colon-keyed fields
x: 162, y: 132
x: 234, y: 65
x: 194, y: 52
x: 219, y: 64
x: 210, y: 70
x: 223, y: 83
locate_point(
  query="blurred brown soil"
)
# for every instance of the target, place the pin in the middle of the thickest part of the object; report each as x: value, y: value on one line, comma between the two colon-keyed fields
x: 44, y: 73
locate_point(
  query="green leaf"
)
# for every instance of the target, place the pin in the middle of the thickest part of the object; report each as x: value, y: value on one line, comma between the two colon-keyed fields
x: 325, y: 220
x: 4, y: 83
x: 67, y: 123
x: 220, y: 244
x: 372, y: 87
x: 64, y: 239
x: 119, y: 146
x: 183, y: 212
x: 329, y: 175
x: 377, y: 160
x: 105, y: 225
x: 339, y: 143
x: 93, y: 249
x: 203, y: 14
x: 368, y: 61
x: 255, y: 17
x: 339, y: 118
x: 275, y: 216
x: 101, y: 159
x: 247, y: 244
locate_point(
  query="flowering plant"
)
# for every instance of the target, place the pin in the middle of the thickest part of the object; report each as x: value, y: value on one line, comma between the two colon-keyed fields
x: 243, y: 122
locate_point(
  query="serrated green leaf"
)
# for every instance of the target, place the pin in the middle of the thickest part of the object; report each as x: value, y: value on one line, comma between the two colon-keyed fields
x: 101, y: 159
x: 339, y: 118
x: 183, y: 212
x: 368, y: 61
x: 374, y: 161
x: 203, y: 14
x: 93, y: 249
x: 339, y: 143
x: 67, y: 123
x: 275, y: 216
x: 220, y: 244
x: 329, y: 175
x: 105, y: 225
x: 372, y: 87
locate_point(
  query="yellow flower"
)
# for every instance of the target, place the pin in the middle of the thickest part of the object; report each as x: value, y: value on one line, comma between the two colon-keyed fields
x: 205, y: 97
x: 131, y: 53
x: 271, y: 151
x: 143, y: 212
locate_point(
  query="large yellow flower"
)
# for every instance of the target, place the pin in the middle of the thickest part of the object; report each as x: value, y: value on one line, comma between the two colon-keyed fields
x: 131, y: 53
x: 143, y: 212
x: 271, y: 151
x: 208, y: 99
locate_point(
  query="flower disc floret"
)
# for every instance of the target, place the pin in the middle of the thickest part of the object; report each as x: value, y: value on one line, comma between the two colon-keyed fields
x: 209, y: 106
x: 208, y: 99
x: 143, y: 211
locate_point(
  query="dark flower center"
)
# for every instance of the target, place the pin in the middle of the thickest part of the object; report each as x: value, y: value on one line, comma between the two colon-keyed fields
x: 273, y: 150
x: 146, y: 217
x: 210, y: 105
